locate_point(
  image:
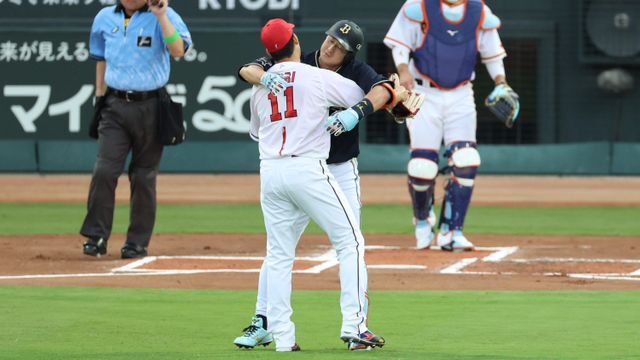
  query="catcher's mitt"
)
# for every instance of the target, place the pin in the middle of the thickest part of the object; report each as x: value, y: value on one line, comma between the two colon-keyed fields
x: 408, y: 107
x: 504, y: 103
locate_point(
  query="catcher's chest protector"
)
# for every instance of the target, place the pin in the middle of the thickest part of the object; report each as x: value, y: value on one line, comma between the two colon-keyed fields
x: 448, y: 55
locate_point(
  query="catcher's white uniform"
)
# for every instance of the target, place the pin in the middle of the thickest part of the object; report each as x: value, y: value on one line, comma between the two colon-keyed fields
x: 446, y: 113
x: 295, y: 181
x: 445, y: 41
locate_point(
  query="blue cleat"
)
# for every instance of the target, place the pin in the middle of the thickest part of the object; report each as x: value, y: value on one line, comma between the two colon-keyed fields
x: 254, y: 335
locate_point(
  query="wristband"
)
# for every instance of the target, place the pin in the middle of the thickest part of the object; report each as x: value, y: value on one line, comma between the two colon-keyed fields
x: 363, y: 108
x: 171, y: 38
x: 392, y: 95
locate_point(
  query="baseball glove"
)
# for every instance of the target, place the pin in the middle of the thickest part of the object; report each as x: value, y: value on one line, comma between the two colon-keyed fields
x: 408, y: 107
x: 504, y: 103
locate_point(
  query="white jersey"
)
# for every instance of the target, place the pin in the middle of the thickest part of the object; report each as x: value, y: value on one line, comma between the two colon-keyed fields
x: 406, y: 33
x: 292, y: 123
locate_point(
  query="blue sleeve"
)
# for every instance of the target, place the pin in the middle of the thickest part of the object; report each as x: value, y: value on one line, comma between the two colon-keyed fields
x: 181, y: 27
x: 365, y: 76
x: 96, y: 38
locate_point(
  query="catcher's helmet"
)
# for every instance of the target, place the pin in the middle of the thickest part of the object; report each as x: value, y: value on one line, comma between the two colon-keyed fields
x: 348, y: 34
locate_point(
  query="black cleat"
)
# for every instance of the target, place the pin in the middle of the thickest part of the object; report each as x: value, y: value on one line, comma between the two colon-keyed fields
x: 130, y: 251
x: 95, y: 247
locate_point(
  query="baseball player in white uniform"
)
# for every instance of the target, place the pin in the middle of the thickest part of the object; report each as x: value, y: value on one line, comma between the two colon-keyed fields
x: 291, y: 128
x: 435, y: 45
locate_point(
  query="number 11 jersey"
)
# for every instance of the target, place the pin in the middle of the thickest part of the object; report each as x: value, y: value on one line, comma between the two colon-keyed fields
x: 293, y: 123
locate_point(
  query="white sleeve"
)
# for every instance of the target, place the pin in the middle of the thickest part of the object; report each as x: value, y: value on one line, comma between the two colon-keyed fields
x: 490, y: 46
x: 489, y: 43
x: 340, y: 91
x: 254, y: 130
x: 404, y: 34
x: 495, y: 68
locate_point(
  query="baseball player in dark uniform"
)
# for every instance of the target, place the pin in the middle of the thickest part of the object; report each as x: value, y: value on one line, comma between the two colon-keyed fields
x: 337, y: 53
x: 132, y: 43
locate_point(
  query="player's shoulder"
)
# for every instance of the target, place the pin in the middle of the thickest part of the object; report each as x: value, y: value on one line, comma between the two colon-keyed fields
x: 490, y: 21
x: 356, y: 69
x: 309, y: 58
x: 299, y: 67
x: 106, y: 12
x: 413, y: 10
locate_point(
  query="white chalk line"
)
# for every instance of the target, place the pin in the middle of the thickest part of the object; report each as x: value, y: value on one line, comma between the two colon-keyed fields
x: 501, y: 253
x: 328, y: 260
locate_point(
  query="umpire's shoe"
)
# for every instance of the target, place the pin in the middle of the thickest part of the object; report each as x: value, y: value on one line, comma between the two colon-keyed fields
x: 131, y: 251
x: 366, y: 338
x: 95, y: 247
x: 254, y: 335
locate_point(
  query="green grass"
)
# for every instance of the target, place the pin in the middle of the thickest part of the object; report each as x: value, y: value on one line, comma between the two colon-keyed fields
x: 18, y: 219
x: 90, y: 323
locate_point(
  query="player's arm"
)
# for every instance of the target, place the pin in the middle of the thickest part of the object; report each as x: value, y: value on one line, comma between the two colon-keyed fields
x: 402, y: 37
x: 170, y: 35
x: 503, y: 101
x: 101, y: 86
x: 380, y: 90
x: 255, y: 73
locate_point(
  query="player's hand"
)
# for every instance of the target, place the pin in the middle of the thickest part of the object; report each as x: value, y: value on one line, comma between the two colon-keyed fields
x: 274, y: 82
x: 504, y: 103
x: 342, y: 121
x: 157, y: 7
x: 406, y: 79
x: 402, y: 93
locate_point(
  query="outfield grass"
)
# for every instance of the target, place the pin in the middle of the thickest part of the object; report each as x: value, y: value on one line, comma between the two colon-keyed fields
x: 99, y: 323
x: 17, y: 219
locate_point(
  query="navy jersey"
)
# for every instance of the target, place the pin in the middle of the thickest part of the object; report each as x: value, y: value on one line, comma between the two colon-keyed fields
x: 345, y: 146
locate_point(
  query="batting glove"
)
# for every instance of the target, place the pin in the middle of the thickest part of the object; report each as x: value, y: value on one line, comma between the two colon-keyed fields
x: 342, y: 121
x: 274, y: 82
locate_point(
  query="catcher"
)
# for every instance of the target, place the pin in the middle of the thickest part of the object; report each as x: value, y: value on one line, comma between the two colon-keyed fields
x: 441, y: 63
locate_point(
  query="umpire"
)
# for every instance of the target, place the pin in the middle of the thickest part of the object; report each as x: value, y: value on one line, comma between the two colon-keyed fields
x: 132, y: 43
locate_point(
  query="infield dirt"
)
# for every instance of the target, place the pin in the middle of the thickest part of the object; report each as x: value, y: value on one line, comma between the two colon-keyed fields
x: 540, y: 262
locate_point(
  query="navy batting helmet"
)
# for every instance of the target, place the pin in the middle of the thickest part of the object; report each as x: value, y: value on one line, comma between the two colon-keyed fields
x: 348, y: 34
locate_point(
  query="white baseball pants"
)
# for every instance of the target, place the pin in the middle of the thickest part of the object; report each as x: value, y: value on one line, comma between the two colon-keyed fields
x: 446, y: 114
x: 291, y: 188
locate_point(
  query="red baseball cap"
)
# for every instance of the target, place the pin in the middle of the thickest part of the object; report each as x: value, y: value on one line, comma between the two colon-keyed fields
x: 275, y: 34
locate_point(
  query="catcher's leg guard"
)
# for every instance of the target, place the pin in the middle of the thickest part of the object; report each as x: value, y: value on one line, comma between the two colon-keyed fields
x: 422, y: 170
x: 464, y: 160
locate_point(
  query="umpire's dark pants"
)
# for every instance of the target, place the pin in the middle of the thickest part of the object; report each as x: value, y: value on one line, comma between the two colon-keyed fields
x: 125, y: 126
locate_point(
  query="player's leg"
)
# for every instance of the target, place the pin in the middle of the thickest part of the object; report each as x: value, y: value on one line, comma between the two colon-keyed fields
x: 113, y: 146
x: 425, y: 131
x: 281, y: 243
x: 143, y: 171
x: 464, y: 160
x: 348, y: 178
x: 323, y: 200
x: 257, y: 333
x: 299, y: 225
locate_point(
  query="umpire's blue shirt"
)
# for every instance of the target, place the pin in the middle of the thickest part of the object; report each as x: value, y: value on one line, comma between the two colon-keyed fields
x: 136, y: 56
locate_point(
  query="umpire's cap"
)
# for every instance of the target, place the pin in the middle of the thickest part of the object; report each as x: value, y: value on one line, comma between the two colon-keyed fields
x: 348, y: 34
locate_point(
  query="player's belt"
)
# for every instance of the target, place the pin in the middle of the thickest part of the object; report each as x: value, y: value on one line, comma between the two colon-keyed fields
x: 130, y: 96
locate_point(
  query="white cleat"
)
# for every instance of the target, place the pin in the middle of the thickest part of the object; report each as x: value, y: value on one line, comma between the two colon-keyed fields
x: 424, y: 231
x: 424, y: 234
x: 454, y: 241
